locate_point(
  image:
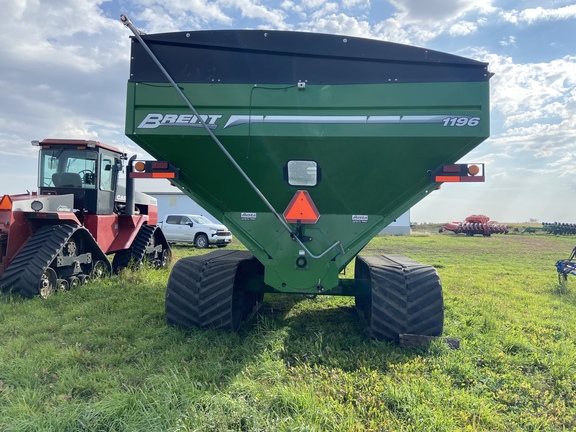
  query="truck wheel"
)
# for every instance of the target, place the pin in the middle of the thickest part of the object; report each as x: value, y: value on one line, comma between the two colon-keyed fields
x: 201, y: 241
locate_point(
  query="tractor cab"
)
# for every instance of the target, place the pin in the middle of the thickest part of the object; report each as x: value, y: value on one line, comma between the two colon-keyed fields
x: 88, y: 169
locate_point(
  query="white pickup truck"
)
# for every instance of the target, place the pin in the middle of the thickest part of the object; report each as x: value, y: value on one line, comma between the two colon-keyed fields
x: 195, y: 229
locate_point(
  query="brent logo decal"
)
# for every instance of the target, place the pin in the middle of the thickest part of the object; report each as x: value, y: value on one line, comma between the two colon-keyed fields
x: 153, y: 120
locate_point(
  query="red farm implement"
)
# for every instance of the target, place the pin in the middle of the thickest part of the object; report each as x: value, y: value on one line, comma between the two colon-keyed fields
x: 476, y: 224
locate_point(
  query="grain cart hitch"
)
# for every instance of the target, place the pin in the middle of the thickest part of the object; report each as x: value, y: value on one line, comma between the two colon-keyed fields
x: 566, y: 267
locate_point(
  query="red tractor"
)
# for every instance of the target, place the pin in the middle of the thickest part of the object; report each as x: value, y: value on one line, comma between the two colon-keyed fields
x: 59, y: 237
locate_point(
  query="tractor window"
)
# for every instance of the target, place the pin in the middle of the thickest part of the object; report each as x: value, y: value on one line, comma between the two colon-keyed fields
x: 48, y: 167
x: 63, y: 168
x: 107, y: 172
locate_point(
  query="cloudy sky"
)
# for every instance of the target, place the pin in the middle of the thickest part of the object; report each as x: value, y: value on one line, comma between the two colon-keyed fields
x: 64, y: 66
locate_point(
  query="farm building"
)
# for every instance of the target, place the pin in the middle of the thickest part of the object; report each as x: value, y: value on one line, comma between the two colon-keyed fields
x: 173, y: 200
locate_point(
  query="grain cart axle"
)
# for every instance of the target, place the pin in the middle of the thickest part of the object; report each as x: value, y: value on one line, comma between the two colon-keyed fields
x: 322, y: 141
x: 476, y: 224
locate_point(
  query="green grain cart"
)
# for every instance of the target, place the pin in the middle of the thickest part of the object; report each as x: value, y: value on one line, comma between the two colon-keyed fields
x: 306, y: 146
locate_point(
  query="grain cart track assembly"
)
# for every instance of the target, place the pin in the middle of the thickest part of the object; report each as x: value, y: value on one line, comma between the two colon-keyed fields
x: 321, y: 142
x: 60, y: 237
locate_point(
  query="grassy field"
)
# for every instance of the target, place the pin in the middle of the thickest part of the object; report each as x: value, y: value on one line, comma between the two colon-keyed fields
x: 101, y: 358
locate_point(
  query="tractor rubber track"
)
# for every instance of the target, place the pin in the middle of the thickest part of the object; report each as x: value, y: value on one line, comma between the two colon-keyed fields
x: 24, y: 272
x: 406, y: 297
x: 202, y: 291
x: 136, y: 254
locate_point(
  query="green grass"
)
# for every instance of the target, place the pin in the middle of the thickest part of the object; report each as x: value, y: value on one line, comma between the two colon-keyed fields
x: 101, y: 358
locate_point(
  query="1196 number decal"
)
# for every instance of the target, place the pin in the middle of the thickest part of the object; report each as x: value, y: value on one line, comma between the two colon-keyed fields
x: 461, y: 121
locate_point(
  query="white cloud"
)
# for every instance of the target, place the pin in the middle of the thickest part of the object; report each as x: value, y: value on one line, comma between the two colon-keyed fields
x: 567, y: 159
x: 360, y: 4
x: 290, y: 7
x: 174, y: 15
x: 202, y: 10
x: 326, y: 9
x: 509, y: 41
x: 155, y: 19
x: 252, y: 9
x: 526, y: 92
x: 462, y: 28
x: 435, y: 10
x: 394, y: 30
x: 533, y: 109
x: 340, y: 24
x: 47, y: 33
x: 418, y: 22
x: 312, y: 4
x: 533, y: 15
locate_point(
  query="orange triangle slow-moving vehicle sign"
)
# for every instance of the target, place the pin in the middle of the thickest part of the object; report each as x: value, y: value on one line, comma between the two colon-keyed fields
x: 6, y: 203
x: 301, y: 209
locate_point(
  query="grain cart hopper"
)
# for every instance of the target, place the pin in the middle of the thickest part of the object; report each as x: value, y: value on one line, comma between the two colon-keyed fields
x: 60, y: 236
x: 306, y: 146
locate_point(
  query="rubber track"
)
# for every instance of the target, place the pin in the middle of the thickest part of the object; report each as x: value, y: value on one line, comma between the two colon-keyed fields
x: 135, y: 254
x: 201, y: 291
x: 24, y: 273
x: 406, y: 298
x: 143, y: 238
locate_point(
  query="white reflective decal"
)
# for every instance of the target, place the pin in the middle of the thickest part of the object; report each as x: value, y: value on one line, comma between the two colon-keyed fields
x: 445, y: 120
